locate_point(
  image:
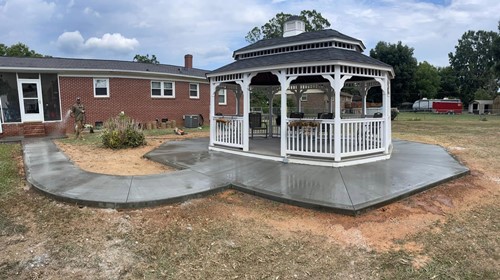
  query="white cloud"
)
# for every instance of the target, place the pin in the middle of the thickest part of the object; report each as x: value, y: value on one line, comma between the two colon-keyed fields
x: 73, y: 42
x: 90, y: 11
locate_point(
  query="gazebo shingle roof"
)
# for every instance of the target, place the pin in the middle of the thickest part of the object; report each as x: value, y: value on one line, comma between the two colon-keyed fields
x: 313, y: 55
x: 54, y: 63
x: 303, y: 37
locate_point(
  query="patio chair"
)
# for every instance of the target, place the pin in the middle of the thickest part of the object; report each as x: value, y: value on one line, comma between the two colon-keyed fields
x: 296, y: 115
x: 325, y: 116
x: 256, y: 123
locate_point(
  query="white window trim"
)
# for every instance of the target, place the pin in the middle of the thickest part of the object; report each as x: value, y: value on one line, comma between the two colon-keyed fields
x: 303, y: 98
x: 107, y: 88
x: 162, y: 89
x: 224, y: 93
x: 197, y: 91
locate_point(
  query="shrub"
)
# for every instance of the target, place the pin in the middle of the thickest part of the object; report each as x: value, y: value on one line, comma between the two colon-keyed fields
x: 122, y: 132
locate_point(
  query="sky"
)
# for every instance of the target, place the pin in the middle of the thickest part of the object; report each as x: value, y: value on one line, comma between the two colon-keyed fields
x: 211, y: 30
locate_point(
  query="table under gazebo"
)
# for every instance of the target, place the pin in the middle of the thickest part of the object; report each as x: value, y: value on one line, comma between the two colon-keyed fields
x: 325, y: 61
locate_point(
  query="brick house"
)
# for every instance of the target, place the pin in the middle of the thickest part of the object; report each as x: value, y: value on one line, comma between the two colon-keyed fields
x: 37, y: 93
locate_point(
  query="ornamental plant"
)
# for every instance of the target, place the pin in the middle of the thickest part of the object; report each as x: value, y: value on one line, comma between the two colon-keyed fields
x: 122, y: 132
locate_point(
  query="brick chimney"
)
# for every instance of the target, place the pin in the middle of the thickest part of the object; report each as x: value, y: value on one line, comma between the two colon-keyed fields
x: 188, y: 61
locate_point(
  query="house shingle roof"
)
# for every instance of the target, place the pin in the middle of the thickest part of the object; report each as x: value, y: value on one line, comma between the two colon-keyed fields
x: 313, y: 55
x: 303, y: 37
x: 54, y: 63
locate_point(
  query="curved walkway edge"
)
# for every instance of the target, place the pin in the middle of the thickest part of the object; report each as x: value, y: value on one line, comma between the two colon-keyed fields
x: 413, y: 167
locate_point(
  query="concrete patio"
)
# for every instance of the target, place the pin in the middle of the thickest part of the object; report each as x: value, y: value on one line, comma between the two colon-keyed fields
x: 413, y: 167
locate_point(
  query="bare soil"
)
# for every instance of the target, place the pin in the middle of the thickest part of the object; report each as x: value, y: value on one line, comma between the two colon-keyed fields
x: 122, y: 161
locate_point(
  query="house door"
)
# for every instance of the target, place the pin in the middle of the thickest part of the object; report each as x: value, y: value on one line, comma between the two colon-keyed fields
x: 30, y: 100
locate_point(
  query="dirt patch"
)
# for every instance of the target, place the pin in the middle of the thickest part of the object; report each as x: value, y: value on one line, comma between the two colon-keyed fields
x: 126, y: 162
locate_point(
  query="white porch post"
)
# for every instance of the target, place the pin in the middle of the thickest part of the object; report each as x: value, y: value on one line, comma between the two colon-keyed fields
x: 213, y: 93
x: 237, y: 93
x: 337, y: 83
x: 386, y: 111
x: 245, y: 88
x: 284, y: 83
x: 364, y: 93
x: 388, y: 128
x: 298, y: 92
x: 270, y: 97
x: 329, y: 95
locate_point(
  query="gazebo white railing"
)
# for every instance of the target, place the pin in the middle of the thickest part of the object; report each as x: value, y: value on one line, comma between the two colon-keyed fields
x: 229, y: 131
x: 315, y: 138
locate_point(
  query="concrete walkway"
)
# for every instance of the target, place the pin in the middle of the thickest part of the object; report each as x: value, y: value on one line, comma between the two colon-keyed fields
x: 413, y: 167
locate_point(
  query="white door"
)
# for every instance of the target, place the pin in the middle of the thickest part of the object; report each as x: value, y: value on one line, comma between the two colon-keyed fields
x: 30, y: 100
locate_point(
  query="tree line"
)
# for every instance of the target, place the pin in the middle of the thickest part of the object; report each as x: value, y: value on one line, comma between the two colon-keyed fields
x: 474, y: 71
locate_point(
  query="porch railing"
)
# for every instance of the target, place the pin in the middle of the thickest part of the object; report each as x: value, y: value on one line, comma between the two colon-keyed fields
x: 229, y: 131
x: 310, y: 137
x: 313, y: 137
x: 361, y: 136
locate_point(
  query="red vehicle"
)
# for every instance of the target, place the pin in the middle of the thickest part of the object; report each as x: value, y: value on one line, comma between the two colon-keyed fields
x: 447, y: 106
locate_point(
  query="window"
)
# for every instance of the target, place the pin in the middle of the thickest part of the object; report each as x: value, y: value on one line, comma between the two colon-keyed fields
x: 222, y: 96
x: 162, y: 89
x: 303, y: 97
x: 101, y: 87
x: 193, y: 91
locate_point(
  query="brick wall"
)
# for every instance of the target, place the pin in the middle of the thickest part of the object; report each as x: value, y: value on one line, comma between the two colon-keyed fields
x: 133, y: 96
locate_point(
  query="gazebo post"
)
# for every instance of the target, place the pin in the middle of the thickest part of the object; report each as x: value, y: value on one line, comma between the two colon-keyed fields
x: 337, y: 83
x: 364, y: 93
x: 284, y: 84
x: 237, y: 94
x: 270, y: 96
x: 213, y: 93
x: 245, y: 88
x: 386, y: 111
x: 329, y: 94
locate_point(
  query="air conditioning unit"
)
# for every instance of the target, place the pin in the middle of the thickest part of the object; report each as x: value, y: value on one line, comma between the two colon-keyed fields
x: 191, y: 121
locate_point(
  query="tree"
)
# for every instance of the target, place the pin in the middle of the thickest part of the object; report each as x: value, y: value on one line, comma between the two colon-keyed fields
x: 482, y: 94
x: 448, y: 82
x: 400, y: 57
x: 474, y: 63
x: 146, y: 59
x: 3, y: 49
x: 18, y: 50
x: 496, y: 54
x: 313, y: 20
x: 427, y: 80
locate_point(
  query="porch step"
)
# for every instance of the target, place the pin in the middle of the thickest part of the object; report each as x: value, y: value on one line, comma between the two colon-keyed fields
x: 34, y: 129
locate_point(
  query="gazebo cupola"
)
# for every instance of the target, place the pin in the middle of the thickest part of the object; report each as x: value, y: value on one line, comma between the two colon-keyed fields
x: 293, y: 26
x: 323, y: 61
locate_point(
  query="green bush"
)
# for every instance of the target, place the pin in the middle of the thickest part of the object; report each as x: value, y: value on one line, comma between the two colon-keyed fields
x: 122, y: 132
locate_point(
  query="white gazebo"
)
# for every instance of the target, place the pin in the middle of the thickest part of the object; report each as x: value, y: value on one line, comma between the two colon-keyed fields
x: 324, y: 60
